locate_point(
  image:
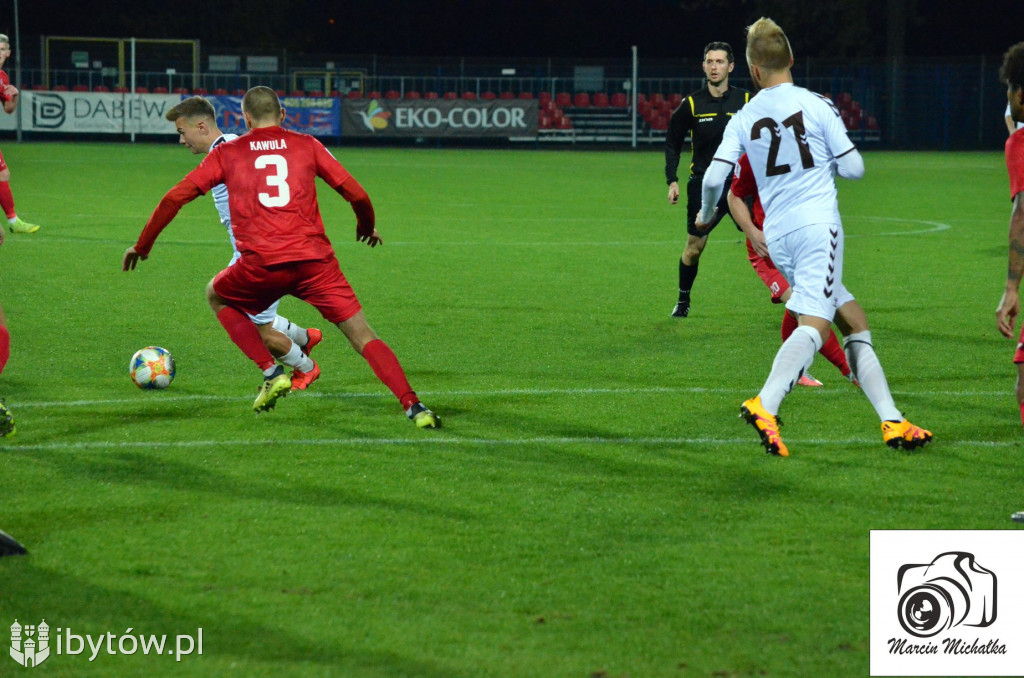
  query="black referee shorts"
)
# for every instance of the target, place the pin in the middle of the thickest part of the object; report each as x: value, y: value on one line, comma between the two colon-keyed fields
x: 693, y: 198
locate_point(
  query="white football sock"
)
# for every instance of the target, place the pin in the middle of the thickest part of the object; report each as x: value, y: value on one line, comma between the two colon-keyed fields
x: 293, y: 331
x: 864, y: 363
x: 297, y: 359
x: 794, y: 356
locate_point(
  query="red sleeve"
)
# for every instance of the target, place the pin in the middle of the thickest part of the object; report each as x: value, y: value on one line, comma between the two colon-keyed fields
x: 351, y: 190
x: 184, y: 192
x: 743, y: 184
x: 1015, y: 162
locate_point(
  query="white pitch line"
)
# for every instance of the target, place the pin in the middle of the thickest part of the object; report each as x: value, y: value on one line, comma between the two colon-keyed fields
x: 163, y: 398
x: 431, y: 440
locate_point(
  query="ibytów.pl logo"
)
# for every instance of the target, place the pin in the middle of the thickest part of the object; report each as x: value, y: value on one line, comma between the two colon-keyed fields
x: 30, y: 645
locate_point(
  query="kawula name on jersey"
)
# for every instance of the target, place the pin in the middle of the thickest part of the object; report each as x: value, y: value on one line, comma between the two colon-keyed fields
x: 269, y: 145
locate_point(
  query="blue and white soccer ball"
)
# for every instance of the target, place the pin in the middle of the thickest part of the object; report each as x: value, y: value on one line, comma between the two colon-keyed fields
x: 152, y: 367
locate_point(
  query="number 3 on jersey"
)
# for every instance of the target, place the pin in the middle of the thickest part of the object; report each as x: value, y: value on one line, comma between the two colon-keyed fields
x: 276, y: 180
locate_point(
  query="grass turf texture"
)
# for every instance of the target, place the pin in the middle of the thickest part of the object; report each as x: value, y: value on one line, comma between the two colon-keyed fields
x: 593, y: 506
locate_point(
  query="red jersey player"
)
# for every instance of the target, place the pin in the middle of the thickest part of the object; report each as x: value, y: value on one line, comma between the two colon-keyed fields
x: 751, y: 221
x: 1012, y: 73
x: 9, y: 100
x: 270, y: 175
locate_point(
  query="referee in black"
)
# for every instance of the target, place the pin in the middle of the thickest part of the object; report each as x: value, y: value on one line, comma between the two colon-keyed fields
x: 704, y: 115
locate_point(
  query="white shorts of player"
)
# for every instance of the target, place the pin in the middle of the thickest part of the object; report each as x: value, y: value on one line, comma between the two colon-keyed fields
x: 265, y: 317
x: 811, y: 258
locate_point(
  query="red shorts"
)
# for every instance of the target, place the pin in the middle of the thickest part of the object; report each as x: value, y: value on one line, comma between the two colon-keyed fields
x: 321, y: 284
x: 1018, y: 355
x: 766, y: 271
x: 3, y: 163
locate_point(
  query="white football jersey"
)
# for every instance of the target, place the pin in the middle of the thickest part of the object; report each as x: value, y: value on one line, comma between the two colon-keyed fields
x: 220, y: 199
x: 792, y: 137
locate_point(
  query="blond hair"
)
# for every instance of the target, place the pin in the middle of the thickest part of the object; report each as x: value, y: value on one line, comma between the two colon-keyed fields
x: 4, y: 38
x: 767, y: 46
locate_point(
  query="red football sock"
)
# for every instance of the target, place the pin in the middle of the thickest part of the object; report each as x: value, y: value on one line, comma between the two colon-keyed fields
x: 789, y: 323
x: 835, y: 353
x: 5, y: 347
x: 387, y: 368
x: 7, y: 199
x: 246, y: 336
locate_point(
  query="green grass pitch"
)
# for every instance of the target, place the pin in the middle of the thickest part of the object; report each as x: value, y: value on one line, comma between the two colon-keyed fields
x: 593, y: 507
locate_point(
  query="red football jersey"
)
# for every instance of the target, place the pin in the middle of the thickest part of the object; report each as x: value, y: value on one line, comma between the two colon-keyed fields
x: 4, y: 82
x: 745, y: 186
x: 1015, y: 161
x: 270, y: 173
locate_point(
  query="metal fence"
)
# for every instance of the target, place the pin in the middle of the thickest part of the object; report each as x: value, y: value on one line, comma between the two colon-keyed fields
x: 897, y: 103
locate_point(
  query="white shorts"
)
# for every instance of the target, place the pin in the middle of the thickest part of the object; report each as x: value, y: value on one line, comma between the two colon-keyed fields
x: 266, y: 316
x: 811, y: 258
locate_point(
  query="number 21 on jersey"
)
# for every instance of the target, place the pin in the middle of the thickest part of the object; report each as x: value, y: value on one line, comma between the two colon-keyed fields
x: 796, y: 123
x: 277, y: 180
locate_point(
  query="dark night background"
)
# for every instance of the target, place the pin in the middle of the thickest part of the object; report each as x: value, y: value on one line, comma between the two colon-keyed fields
x: 537, y: 28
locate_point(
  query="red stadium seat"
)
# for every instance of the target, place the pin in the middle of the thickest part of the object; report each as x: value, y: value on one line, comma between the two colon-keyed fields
x: 80, y: 88
x: 469, y: 95
x: 659, y: 123
x: 413, y: 94
x: 279, y: 92
x: 526, y: 95
x: 39, y: 86
x: 600, y: 100
x: 620, y: 100
x: 298, y: 93
x: 451, y: 95
x: 544, y: 122
x: 354, y: 94
x: 198, y: 91
x: 674, y: 100
x: 563, y: 99
x: 141, y: 89
x: 392, y: 94
x: 101, y: 88
x: 239, y: 93
x: 430, y: 95
x: 182, y: 90
x: 488, y: 95
x: 563, y: 123
x: 544, y: 97
x: 315, y: 93
x: 121, y: 90
x: 506, y: 95
x: 374, y: 94
x: 220, y: 91
x: 60, y: 88
x: 581, y: 100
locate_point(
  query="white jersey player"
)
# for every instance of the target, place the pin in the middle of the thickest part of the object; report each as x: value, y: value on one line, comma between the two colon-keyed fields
x: 195, y: 120
x: 796, y: 143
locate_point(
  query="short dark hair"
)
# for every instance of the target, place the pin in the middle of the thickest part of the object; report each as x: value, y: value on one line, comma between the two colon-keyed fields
x: 1012, y: 70
x: 261, y: 103
x: 724, y: 46
x: 193, y: 107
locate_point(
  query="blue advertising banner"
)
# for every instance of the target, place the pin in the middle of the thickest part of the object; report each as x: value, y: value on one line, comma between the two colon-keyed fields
x: 318, y: 116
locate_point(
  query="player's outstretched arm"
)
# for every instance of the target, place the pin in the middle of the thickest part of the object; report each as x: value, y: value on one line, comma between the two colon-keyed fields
x: 184, y: 192
x: 1009, y: 305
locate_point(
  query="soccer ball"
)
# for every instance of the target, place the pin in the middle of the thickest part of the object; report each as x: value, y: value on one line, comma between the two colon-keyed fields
x: 152, y: 367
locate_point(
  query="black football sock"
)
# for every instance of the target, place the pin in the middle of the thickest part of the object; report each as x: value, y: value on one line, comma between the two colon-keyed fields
x: 687, y: 274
